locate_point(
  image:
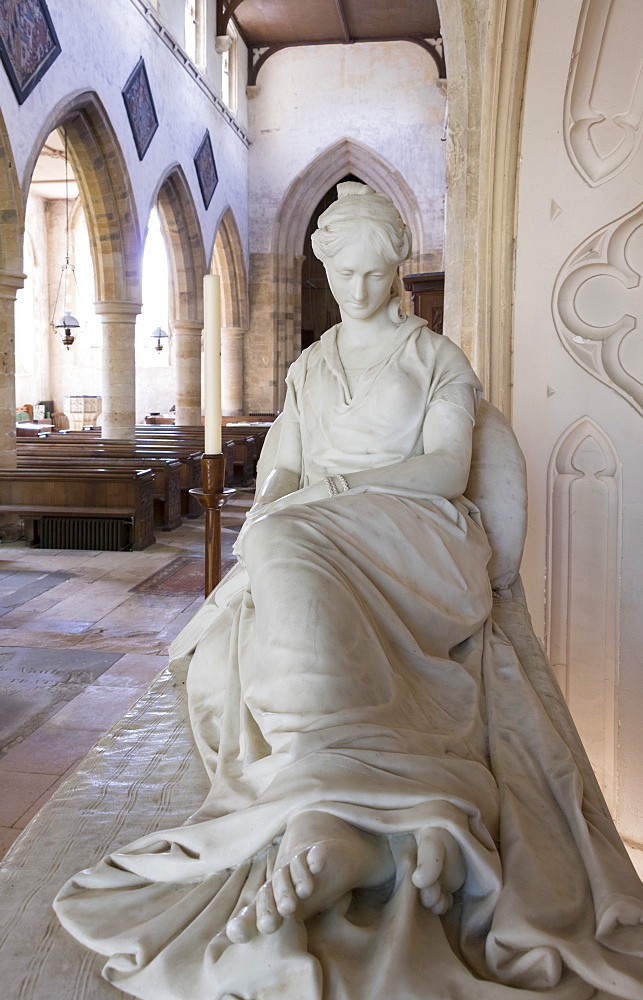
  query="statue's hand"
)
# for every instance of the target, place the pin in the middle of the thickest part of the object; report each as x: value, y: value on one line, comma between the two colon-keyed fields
x: 261, y: 509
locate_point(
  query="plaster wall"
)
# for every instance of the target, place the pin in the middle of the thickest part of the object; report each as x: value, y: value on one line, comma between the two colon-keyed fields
x: 384, y: 95
x: 101, y: 44
x: 578, y: 280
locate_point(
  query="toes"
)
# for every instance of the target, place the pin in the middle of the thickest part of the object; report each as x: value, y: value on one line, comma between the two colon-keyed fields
x: 317, y: 858
x: 268, y: 917
x: 284, y: 891
x: 301, y: 877
x: 430, y: 862
x: 242, y: 927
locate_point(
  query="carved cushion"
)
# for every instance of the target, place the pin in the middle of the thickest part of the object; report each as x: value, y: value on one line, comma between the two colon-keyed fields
x: 497, y: 486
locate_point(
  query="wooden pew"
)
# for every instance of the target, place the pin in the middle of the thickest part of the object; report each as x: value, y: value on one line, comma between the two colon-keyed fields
x: 247, y: 443
x: 166, y: 493
x: 139, y: 452
x: 83, y: 498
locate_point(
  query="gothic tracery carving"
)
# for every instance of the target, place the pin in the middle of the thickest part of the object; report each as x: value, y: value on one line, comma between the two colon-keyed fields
x: 598, y: 303
x: 604, y: 96
x: 584, y: 523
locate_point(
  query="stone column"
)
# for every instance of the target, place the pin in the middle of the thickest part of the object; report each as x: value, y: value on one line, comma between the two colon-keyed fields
x: 186, y: 350
x: 9, y: 285
x: 232, y: 339
x: 119, y: 367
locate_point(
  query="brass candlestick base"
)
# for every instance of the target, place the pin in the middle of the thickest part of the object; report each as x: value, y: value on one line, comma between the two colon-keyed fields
x: 212, y: 497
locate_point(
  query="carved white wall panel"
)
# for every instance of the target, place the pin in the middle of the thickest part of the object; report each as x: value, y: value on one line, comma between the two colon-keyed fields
x: 584, y: 524
x: 604, y: 96
x: 598, y: 305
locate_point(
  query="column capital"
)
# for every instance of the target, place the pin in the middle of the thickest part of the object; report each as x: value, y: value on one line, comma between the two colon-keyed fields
x: 10, y: 282
x: 187, y: 326
x: 233, y: 331
x: 118, y: 310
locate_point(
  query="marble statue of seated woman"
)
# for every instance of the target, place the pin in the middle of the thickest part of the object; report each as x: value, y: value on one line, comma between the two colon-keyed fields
x: 393, y: 813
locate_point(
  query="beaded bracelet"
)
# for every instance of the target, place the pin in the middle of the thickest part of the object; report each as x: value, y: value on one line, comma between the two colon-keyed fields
x: 331, y: 485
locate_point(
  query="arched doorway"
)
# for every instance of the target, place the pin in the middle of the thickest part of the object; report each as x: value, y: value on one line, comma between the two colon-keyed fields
x: 319, y: 311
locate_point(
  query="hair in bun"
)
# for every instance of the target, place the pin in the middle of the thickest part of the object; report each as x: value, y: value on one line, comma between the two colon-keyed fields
x: 361, y: 209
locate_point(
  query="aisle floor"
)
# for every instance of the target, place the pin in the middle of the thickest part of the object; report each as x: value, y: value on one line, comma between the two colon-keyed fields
x: 82, y: 635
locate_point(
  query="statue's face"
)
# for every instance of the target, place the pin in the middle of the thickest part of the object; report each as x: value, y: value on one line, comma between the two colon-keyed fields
x: 360, y: 279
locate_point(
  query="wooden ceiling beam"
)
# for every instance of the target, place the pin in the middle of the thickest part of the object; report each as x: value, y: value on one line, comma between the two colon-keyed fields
x: 225, y: 10
x: 341, y: 13
x: 258, y: 54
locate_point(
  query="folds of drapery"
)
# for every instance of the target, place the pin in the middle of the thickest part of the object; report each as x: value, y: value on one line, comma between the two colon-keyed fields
x: 447, y: 730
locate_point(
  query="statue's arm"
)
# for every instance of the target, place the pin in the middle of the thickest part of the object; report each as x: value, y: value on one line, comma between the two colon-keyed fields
x: 442, y: 469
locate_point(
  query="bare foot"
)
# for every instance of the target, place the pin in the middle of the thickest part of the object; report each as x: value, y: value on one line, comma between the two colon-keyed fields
x: 319, y: 860
x: 440, y: 869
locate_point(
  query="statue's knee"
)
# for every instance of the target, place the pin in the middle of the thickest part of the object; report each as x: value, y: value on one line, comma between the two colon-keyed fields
x: 270, y: 537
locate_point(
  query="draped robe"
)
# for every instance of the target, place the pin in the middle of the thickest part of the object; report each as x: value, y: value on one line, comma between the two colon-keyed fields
x: 350, y: 665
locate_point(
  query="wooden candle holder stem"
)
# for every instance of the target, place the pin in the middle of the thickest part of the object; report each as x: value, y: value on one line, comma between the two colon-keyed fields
x: 212, y: 496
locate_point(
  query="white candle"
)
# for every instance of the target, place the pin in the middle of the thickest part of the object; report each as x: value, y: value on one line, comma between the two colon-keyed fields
x: 212, y: 362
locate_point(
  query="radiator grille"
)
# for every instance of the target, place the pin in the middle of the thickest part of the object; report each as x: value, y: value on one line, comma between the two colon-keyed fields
x: 102, y: 533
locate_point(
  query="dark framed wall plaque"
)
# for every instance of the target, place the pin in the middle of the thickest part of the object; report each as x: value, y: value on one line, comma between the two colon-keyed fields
x: 28, y: 43
x: 139, y: 105
x: 206, y: 169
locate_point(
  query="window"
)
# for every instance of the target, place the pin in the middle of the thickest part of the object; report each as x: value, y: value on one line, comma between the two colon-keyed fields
x: 195, y: 31
x: 229, y: 70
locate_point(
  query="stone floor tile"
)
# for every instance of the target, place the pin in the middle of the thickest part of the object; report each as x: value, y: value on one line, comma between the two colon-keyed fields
x: 54, y: 640
x: 18, y: 792
x: 40, y: 584
x: 7, y: 836
x: 22, y: 620
x: 98, y: 707
x: 96, y: 601
x: 123, y: 642
x: 145, y: 612
x: 50, y: 750
x: 138, y: 668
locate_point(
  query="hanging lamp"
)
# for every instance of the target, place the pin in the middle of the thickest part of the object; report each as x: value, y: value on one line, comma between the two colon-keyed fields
x: 67, y: 321
x: 159, y: 335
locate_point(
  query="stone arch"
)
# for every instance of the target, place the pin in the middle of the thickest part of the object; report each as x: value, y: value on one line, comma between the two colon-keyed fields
x: 485, y: 89
x: 105, y: 191
x: 182, y: 231
x: 187, y: 252
x: 11, y: 279
x: 228, y: 262
x: 344, y: 157
x: 114, y: 237
x: 291, y: 221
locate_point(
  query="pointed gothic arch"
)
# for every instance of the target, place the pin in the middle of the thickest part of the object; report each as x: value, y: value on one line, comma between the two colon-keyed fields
x: 107, y: 197
x: 185, y: 241
x: 229, y: 263
x: 105, y: 191
x: 186, y: 258
x: 291, y: 221
x: 584, y: 514
x: 307, y: 189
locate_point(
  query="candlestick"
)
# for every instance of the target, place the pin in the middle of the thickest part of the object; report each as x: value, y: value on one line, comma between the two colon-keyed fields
x: 212, y: 362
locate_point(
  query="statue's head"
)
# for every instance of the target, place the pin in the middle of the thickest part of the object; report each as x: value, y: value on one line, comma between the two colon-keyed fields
x: 361, y: 241
x: 362, y: 213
